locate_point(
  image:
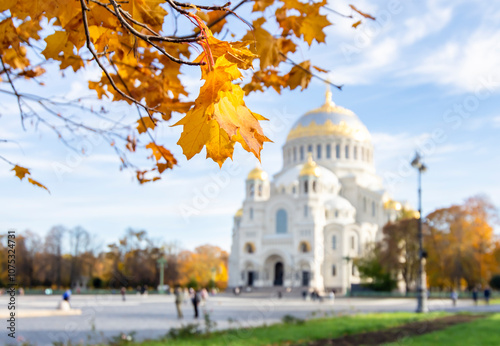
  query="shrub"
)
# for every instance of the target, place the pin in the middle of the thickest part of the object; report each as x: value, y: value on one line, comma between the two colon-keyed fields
x: 289, y: 319
x: 184, y: 331
x: 495, y: 282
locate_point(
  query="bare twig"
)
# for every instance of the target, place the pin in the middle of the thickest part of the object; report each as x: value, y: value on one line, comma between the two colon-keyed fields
x: 15, y: 92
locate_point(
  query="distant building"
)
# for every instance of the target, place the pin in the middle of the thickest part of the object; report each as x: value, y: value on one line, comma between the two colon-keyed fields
x: 302, y: 227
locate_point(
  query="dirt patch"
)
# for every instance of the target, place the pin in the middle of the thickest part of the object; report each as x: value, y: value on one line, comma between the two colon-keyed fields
x: 397, y: 333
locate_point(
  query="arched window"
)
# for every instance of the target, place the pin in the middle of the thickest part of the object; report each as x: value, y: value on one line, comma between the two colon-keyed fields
x: 328, y: 151
x: 314, y: 186
x: 353, y: 243
x: 364, y: 204
x: 346, y: 151
x: 334, y: 242
x: 355, y: 153
x: 373, y: 209
x: 249, y: 248
x: 294, y: 154
x: 318, y: 151
x: 334, y: 270
x: 281, y: 221
x: 337, y: 151
x: 251, y: 213
x: 309, y: 148
x: 362, y: 153
x: 260, y: 190
x: 306, y: 185
x: 252, y: 190
x: 304, y: 247
x: 301, y: 153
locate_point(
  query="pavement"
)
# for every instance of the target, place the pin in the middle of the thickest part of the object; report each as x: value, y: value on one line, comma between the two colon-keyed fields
x: 106, y: 316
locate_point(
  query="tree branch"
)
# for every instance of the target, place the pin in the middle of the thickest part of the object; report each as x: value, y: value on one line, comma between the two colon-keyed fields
x: 15, y: 92
x: 94, y: 54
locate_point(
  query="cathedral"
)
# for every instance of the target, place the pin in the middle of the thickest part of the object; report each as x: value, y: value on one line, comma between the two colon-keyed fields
x: 304, y: 227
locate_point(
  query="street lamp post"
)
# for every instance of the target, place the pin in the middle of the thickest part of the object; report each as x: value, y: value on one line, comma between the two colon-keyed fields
x: 348, y: 259
x: 422, y: 279
x: 161, y: 263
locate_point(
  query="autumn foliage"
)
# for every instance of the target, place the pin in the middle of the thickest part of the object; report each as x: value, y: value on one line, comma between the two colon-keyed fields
x: 65, y: 257
x: 141, y: 46
x: 462, y: 251
x: 461, y: 245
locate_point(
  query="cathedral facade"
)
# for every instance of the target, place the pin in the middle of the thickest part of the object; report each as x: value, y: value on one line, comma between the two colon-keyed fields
x: 304, y: 227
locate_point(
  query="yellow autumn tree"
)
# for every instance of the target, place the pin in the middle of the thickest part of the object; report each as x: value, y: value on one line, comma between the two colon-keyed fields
x: 206, y: 265
x: 140, y: 46
x: 461, y: 245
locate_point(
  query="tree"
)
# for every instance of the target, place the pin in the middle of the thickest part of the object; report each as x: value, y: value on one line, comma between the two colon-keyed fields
x: 53, y: 246
x: 207, y: 263
x: 399, y: 249
x: 495, y: 282
x: 79, y: 242
x: 140, y: 47
x: 373, y: 273
x: 460, y: 244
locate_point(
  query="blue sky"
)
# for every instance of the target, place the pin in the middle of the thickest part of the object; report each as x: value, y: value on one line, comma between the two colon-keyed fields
x: 425, y: 76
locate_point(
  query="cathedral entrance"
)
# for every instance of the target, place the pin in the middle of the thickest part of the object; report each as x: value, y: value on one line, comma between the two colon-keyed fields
x: 278, y: 274
x: 250, y: 278
x: 306, y: 278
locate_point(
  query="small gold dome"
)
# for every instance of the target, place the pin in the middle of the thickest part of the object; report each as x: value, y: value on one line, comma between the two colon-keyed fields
x: 310, y: 168
x: 392, y: 204
x: 239, y: 213
x: 257, y: 174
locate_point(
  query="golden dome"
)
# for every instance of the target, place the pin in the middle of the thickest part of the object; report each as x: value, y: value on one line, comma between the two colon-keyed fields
x: 329, y: 119
x: 257, y: 174
x: 310, y: 168
x: 391, y: 204
x: 239, y: 213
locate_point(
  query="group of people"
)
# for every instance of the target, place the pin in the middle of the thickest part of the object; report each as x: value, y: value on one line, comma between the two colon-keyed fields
x: 475, y: 296
x: 197, y: 298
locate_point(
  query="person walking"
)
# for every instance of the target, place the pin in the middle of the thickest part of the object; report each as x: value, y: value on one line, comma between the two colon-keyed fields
x: 122, y: 292
x: 487, y: 295
x: 178, y: 301
x: 474, y: 295
x: 195, y: 300
x: 454, y: 297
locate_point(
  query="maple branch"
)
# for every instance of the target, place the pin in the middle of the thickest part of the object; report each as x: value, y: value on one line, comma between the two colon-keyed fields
x: 312, y: 74
x: 337, y: 12
x: 138, y: 111
x: 147, y: 38
x: 9, y: 162
x: 21, y: 112
x: 222, y: 17
x: 156, y: 36
x: 96, y: 58
x: 210, y: 8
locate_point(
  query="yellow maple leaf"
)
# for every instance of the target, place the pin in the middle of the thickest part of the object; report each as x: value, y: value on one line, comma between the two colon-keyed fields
x: 21, y: 172
x: 160, y: 152
x: 300, y: 75
x: 36, y: 183
x: 266, y: 46
x: 220, y: 118
x: 145, y: 123
x: 312, y: 28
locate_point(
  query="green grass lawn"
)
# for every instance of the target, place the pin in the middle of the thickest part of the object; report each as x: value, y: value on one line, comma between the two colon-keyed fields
x: 482, y: 332
x: 310, y: 330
